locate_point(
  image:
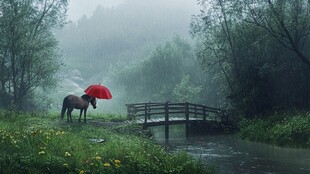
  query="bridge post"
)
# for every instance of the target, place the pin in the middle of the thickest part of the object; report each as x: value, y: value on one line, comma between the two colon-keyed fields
x: 187, y: 118
x: 195, y: 110
x: 149, y: 110
x: 167, y: 120
x: 204, y: 113
x: 131, y: 111
x: 145, y: 116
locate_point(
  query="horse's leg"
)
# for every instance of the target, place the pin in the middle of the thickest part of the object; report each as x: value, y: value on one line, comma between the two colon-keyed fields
x: 69, y: 114
x: 85, y: 110
x: 63, y: 111
x: 81, y: 111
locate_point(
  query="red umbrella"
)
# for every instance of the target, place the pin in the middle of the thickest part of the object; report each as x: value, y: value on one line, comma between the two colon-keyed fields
x: 98, y: 91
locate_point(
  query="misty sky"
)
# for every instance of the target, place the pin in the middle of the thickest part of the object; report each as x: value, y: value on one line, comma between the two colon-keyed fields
x: 78, y: 8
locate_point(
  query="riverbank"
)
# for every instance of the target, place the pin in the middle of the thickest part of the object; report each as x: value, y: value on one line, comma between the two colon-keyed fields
x: 40, y: 143
x: 233, y: 155
x: 281, y: 129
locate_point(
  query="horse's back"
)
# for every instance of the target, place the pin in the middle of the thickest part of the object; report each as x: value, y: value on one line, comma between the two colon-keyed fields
x: 69, y: 100
x: 74, y: 101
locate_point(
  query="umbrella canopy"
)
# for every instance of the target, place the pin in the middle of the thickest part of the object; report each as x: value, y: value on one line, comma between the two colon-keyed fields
x: 98, y: 91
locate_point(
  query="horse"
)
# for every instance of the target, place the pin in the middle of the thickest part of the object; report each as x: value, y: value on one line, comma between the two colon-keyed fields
x: 71, y: 102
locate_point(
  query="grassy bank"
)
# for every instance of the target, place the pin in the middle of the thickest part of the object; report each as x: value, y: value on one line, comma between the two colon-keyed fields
x: 283, y: 129
x: 32, y: 143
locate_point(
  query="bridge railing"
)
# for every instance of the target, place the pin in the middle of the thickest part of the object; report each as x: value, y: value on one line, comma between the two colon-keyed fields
x: 186, y: 110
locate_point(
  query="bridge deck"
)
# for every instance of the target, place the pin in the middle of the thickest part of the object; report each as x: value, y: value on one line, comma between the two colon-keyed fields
x: 172, y: 121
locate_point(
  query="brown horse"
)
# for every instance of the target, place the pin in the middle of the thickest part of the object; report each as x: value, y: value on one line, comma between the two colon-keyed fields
x: 74, y: 102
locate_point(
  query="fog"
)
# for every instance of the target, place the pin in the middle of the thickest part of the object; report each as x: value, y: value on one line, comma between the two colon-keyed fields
x: 79, y: 8
x: 108, y: 37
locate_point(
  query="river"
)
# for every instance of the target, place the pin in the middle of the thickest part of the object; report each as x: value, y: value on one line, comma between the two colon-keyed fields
x: 236, y: 156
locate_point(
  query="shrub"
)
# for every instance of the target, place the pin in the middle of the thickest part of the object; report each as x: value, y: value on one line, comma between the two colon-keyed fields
x: 286, y: 129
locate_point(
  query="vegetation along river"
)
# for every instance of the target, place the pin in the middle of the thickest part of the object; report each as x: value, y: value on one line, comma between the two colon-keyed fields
x: 234, y: 155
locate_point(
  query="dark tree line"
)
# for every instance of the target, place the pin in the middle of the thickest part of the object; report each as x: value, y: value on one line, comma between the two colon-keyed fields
x: 258, y: 51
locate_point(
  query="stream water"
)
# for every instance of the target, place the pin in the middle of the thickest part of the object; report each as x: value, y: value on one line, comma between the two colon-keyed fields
x: 235, y: 156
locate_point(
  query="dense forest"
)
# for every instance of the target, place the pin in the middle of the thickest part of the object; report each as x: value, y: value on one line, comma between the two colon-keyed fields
x: 247, y: 56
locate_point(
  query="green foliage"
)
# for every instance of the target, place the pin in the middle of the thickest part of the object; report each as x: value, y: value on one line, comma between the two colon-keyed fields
x: 46, y: 145
x: 255, y: 130
x: 285, y: 129
x: 169, y: 74
x: 29, y: 55
x: 256, y: 65
x: 185, y: 91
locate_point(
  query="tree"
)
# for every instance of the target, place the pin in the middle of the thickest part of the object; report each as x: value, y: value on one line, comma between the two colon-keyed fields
x: 216, y: 50
x: 156, y: 78
x: 29, y: 57
x: 288, y: 21
x: 251, y: 66
x: 185, y: 91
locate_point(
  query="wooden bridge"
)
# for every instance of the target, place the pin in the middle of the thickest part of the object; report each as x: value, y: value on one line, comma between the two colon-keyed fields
x: 166, y: 113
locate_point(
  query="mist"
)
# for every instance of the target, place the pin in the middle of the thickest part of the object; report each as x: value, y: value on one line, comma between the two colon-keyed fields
x: 116, y: 37
x: 79, y: 8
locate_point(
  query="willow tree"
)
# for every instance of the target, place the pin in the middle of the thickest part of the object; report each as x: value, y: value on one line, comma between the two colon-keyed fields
x: 29, y: 56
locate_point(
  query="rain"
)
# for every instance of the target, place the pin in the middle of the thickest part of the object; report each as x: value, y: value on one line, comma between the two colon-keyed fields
x: 155, y: 86
x: 114, y: 37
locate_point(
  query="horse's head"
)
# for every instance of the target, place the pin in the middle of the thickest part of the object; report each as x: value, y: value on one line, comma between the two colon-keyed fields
x: 93, y: 102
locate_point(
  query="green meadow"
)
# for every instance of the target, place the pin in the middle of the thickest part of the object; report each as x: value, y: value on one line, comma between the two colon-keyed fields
x: 42, y: 143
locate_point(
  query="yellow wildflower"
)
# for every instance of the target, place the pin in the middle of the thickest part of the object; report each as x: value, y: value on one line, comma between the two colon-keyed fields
x: 106, y: 165
x: 67, y: 154
x: 41, y: 153
x: 98, y: 158
x: 117, y: 165
x: 81, y: 172
x: 65, y: 165
x: 117, y: 161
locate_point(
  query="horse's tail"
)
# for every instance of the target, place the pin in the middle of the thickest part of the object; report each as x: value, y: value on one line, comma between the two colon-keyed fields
x: 63, y: 109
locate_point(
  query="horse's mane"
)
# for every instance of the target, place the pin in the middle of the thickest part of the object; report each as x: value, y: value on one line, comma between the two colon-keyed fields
x: 86, y: 97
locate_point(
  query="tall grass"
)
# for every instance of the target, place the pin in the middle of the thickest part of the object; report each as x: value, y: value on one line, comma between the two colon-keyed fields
x: 283, y: 129
x: 34, y: 143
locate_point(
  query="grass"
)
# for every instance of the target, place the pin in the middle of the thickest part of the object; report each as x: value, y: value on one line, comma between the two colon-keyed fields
x: 283, y: 129
x: 38, y: 143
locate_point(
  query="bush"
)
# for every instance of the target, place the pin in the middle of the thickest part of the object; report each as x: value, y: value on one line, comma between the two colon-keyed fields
x: 286, y: 129
x: 255, y: 130
x: 294, y: 131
